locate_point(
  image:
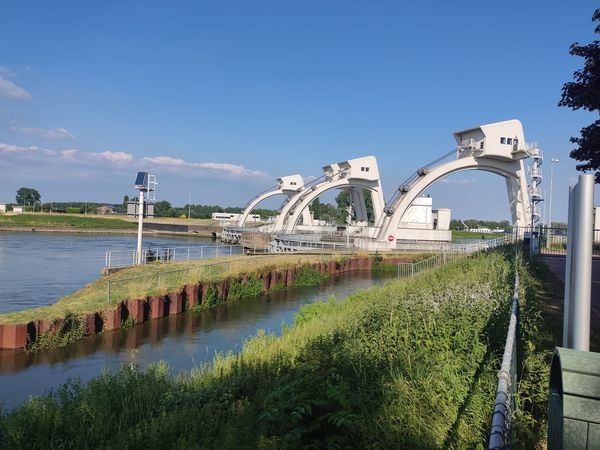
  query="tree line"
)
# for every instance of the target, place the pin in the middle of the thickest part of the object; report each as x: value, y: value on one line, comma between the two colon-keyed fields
x: 336, y: 213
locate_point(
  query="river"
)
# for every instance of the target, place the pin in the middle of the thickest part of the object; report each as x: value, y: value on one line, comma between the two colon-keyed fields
x: 183, y: 341
x: 37, y: 269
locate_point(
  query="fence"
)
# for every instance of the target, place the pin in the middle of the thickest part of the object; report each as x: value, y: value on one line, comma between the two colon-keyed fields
x: 124, y: 258
x: 500, y: 431
x: 469, y: 247
x: 409, y: 269
x: 553, y: 241
x: 163, y: 280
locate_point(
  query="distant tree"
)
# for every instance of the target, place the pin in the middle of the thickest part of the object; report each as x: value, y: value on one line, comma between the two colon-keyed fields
x: 27, y: 196
x: 343, y: 199
x: 162, y: 209
x: 125, y: 201
x: 584, y: 92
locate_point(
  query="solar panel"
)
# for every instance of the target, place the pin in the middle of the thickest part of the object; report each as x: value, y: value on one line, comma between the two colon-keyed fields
x: 141, y: 180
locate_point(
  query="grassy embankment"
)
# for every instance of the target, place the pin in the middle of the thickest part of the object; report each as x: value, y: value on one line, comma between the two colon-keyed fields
x: 43, y: 221
x: 157, y: 279
x: 412, y: 364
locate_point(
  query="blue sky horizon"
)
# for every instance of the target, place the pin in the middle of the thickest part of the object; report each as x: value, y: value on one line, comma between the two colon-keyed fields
x: 219, y: 99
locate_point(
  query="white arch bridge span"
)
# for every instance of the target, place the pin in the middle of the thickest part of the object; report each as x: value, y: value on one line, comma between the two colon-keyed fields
x: 498, y: 148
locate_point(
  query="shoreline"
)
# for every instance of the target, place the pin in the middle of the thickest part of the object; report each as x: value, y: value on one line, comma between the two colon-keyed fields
x: 75, y: 230
x: 135, y: 309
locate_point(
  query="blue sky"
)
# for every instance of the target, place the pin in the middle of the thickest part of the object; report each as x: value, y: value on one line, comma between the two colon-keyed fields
x: 218, y: 99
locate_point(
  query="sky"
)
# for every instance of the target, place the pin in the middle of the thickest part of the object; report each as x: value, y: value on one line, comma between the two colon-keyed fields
x: 219, y: 99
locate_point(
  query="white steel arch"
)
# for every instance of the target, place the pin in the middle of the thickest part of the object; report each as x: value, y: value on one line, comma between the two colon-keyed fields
x: 354, y: 173
x: 289, y: 185
x: 512, y: 171
x: 498, y: 148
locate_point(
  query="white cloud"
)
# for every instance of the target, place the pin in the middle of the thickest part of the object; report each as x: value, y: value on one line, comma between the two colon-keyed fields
x: 69, y: 154
x: 115, y: 157
x: 11, y: 90
x: 228, y: 169
x: 166, y: 161
x: 54, y: 133
x: 11, y: 148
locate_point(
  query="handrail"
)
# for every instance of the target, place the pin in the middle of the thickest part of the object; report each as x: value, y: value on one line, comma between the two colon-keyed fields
x: 126, y: 258
x: 500, y: 432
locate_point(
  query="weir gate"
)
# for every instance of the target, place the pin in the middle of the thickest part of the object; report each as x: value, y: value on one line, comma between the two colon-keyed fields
x: 373, y: 224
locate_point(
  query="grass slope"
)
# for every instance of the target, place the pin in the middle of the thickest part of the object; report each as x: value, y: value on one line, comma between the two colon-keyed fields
x: 412, y: 364
x: 64, y: 221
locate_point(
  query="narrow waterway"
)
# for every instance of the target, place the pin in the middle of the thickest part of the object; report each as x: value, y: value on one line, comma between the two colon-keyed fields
x: 183, y: 341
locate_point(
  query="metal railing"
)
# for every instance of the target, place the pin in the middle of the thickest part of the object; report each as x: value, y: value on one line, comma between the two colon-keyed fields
x: 501, y: 428
x: 409, y: 269
x: 124, y: 258
x: 471, y: 247
x: 310, y: 243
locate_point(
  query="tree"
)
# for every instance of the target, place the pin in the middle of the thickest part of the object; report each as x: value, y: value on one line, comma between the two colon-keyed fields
x: 584, y: 92
x: 343, y: 199
x: 27, y: 196
x: 162, y: 209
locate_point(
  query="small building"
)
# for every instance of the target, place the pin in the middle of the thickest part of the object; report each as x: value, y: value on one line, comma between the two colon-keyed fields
x: 2, y: 208
x: 17, y: 210
x: 105, y: 209
x: 133, y: 207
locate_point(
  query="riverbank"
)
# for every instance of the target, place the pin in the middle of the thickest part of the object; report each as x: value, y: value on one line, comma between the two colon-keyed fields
x: 412, y: 364
x: 107, y: 224
x: 153, y: 291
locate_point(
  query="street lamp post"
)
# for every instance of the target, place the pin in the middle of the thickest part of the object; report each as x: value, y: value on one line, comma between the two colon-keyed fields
x: 554, y: 161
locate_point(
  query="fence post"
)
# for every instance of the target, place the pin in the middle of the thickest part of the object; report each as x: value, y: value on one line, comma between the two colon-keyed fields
x: 108, y: 292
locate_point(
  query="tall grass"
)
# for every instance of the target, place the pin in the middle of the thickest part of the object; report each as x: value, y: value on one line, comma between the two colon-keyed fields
x: 408, y: 365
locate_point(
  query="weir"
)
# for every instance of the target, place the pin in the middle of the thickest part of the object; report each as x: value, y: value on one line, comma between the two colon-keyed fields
x: 499, y: 148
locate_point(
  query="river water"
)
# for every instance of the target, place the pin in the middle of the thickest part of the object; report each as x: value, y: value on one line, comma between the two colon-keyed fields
x: 37, y: 269
x: 183, y: 341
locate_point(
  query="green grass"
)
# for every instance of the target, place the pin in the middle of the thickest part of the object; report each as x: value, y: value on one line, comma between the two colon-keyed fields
x: 159, y: 279
x: 461, y: 234
x: 64, y: 221
x: 411, y: 364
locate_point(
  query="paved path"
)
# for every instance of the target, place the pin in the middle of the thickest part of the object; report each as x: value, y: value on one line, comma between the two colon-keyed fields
x: 557, y: 265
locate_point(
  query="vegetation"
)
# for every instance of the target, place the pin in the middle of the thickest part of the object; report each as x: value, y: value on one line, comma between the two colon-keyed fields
x: 158, y: 279
x: 307, y: 276
x: 409, y: 365
x: 584, y: 93
x: 249, y: 288
x: 69, y: 331
x: 64, y: 221
x: 457, y: 224
x: 165, y: 209
x: 27, y: 196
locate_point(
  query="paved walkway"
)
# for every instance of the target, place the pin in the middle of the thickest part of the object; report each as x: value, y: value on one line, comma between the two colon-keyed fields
x: 557, y: 265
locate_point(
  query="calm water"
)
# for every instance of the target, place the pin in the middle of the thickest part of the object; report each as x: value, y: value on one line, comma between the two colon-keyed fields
x: 37, y: 269
x: 183, y: 341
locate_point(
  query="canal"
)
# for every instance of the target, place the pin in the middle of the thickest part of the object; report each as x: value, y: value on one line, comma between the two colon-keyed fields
x: 183, y: 341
